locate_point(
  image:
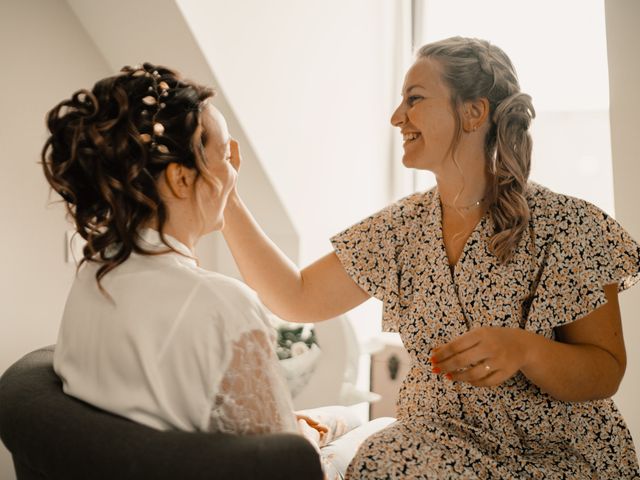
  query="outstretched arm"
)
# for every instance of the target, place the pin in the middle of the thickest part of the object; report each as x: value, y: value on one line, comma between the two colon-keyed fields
x: 320, y: 291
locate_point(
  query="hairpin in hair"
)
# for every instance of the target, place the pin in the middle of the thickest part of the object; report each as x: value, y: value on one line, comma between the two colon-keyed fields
x: 153, y: 101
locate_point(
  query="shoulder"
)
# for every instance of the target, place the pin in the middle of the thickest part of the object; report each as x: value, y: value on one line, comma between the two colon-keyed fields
x: 222, y: 289
x: 388, y: 225
x: 231, y: 300
x: 561, y: 210
x: 403, y: 211
x: 544, y: 202
x: 413, y: 205
x: 569, y: 223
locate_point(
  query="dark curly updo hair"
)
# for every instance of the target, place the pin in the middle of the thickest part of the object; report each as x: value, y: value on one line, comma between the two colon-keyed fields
x: 107, y: 148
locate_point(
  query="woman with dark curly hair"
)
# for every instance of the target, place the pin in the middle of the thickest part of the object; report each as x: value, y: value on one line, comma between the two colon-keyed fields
x: 143, y: 164
x: 504, y: 293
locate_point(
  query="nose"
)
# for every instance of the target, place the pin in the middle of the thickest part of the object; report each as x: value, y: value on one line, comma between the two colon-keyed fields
x: 399, y: 116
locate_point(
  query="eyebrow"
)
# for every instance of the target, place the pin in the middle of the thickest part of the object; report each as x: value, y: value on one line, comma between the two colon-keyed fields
x: 411, y: 88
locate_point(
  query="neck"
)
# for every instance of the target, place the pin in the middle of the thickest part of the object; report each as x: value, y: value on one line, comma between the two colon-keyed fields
x: 465, y: 208
x: 463, y: 190
x: 465, y: 182
x: 183, y: 235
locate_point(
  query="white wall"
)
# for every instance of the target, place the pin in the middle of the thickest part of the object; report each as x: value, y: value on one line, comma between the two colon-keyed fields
x: 572, y: 155
x: 46, y: 55
x: 310, y: 83
x: 623, y: 38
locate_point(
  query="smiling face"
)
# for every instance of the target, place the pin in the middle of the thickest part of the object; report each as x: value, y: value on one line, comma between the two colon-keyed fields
x: 425, y: 117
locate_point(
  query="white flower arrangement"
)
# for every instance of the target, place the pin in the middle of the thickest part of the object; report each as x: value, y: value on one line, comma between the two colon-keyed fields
x: 299, y: 348
x: 298, y: 352
x: 294, y: 340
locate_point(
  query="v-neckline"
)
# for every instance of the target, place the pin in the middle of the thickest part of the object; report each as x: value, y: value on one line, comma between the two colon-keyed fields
x: 440, y: 230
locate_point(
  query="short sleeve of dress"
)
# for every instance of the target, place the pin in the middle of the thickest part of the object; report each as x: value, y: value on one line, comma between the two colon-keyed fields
x: 589, y: 250
x: 369, y: 252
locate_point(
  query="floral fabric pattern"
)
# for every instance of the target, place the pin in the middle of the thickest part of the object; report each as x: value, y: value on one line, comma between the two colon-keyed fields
x: 455, y: 430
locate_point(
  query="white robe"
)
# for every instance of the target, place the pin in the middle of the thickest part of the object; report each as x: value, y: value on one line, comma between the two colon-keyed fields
x: 178, y: 347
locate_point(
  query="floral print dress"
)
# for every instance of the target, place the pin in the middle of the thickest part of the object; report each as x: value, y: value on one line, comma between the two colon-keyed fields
x: 453, y: 429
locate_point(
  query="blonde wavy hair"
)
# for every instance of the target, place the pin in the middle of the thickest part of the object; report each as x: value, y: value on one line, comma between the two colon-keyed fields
x: 474, y: 69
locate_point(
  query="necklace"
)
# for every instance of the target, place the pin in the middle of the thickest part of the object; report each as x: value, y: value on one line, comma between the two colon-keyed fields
x: 467, y: 207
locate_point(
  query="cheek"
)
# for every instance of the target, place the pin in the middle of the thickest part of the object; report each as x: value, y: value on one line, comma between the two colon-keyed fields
x: 207, y: 191
x: 226, y: 176
x: 212, y: 194
x: 232, y: 177
x: 434, y: 124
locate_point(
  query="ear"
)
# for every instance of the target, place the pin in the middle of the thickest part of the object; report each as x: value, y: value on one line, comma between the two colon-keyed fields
x: 474, y: 114
x: 179, y: 179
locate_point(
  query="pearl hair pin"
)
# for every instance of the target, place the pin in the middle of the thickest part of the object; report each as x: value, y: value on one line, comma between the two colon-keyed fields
x: 157, y: 91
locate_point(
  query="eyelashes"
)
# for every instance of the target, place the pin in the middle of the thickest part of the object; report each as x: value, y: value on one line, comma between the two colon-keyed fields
x: 413, y: 99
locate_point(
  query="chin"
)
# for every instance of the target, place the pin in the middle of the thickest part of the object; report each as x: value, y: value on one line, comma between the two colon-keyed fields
x: 417, y: 163
x: 413, y: 162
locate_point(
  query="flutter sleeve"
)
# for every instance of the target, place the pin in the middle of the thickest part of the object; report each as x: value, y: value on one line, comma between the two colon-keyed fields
x: 588, y: 250
x: 370, y: 253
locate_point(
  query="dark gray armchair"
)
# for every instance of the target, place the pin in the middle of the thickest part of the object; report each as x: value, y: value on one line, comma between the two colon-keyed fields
x: 53, y: 436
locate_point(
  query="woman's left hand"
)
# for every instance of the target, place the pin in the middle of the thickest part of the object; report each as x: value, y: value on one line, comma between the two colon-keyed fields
x: 483, y: 357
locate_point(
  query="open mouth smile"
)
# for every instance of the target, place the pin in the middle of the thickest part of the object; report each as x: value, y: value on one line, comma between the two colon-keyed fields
x: 410, y: 137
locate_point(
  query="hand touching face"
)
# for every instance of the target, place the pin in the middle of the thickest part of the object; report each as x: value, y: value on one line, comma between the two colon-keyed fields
x: 219, y: 150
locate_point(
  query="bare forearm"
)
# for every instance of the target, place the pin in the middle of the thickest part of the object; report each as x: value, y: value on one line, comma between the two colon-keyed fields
x: 320, y: 291
x: 263, y: 266
x: 570, y: 372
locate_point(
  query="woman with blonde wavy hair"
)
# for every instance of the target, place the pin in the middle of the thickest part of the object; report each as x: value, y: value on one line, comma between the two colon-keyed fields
x: 505, y: 293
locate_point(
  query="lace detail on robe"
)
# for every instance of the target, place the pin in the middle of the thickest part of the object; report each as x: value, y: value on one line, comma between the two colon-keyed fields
x: 252, y: 396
